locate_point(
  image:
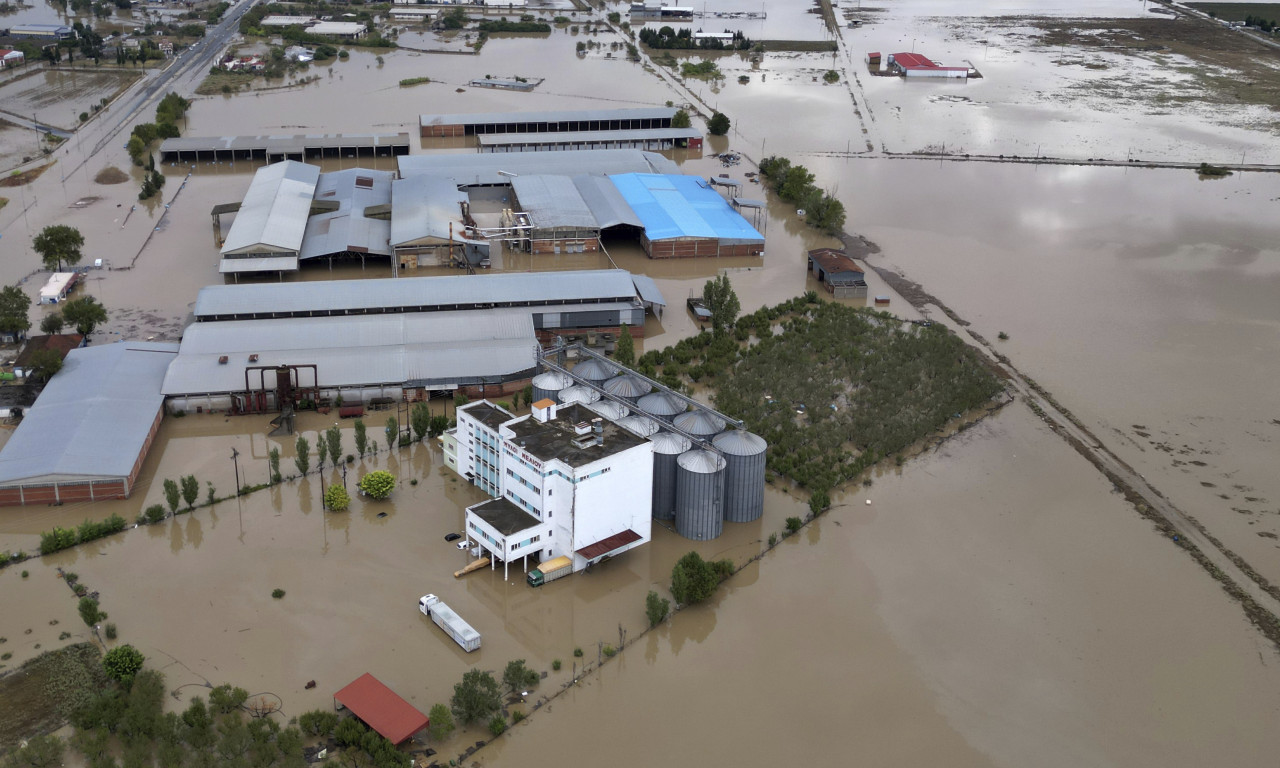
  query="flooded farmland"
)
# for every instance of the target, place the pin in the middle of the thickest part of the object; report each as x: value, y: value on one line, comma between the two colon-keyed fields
x: 996, y: 604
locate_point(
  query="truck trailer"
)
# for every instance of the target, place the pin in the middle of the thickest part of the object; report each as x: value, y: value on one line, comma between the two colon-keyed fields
x: 450, y: 622
x: 550, y: 571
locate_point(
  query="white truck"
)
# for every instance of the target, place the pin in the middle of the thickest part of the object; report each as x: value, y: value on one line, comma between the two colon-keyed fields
x: 450, y: 622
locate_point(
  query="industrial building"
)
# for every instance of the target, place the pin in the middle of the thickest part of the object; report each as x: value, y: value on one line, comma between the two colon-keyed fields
x: 343, y: 30
x: 431, y: 224
x: 557, y: 121
x: 682, y: 216
x: 88, y: 433
x: 912, y: 65
x: 650, y: 10
x: 42, y: 31
x: 266, y: 235
x: 489, y: 170
x: 343, y: 229
x: 273, y: 149
x: 651, y: 139
x: 838, y: 273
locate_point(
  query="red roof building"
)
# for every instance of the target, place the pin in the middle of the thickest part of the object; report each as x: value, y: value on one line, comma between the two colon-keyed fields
x: 381, y: 709
x: 918, y: 65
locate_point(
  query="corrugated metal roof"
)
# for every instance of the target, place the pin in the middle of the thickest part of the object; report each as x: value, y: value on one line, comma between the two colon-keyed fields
x: 699, y: 423
x: 701, y: 461
x: 606, y: 202
x: 278, y: 144
x: 93, y: 418
x: 274, y: 213
x: 649, y: 291
x: 359, y: 350
x: 552, y: 202
x: 410, y: 293
x: 265, y: 264
x: 740, y: 442
x: 627, y: 385
x: 587, y: 137
x: 381, y: 708
x: 552, y: 116
x: 423, y: 207
x: 346, y: 229
x: 673, y: 206
x: 483, y: 168
x: 669, y: 443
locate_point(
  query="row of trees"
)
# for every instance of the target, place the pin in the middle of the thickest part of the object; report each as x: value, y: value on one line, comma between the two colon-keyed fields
x: 795, y: 184
x: 668, y: 38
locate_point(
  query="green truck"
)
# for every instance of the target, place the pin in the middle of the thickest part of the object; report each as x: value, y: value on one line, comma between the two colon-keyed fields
x: 550, y: 571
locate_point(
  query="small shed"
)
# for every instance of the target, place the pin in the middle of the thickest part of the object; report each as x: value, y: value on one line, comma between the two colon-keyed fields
x: 838, y: 273
x: 61, y: 343
x: 381, y: 708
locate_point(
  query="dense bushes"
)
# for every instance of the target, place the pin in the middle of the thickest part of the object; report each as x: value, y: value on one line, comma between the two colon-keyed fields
x: 794, y: 183
x: 668, y: 38
x: 502, y: 25
x: 694, y: 579
x: 62, y: 538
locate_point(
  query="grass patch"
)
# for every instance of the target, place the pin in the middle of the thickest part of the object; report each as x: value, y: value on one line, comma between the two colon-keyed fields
x: 111, y: 175
x: 703, y: 70
x: 410, y: 81
x: 1238, y: 11
x: 40, y: 696
x: 231, y: 81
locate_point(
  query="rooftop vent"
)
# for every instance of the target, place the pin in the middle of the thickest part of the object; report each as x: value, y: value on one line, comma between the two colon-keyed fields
x: 582, y: 427
x: 253, y: 358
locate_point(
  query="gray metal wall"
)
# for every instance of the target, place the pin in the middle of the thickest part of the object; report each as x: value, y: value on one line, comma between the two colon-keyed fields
x: 699, y: 496
x: 667, y: 447
x: 744, y: 455
x: 541, y: 388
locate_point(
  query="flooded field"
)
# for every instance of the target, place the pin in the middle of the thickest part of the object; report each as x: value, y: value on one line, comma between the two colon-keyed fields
x: 996, y: 604
x: 58, y: 97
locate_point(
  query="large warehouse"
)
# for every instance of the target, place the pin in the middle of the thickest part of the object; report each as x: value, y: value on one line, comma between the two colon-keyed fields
x: 558, y: 121
x: 89, y: 431
x: 266, y: 235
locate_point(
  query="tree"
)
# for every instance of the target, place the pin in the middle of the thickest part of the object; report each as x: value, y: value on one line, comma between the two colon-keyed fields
x: 318, y: 722
x: 392, y: 431
x: 52, y: 324
x: 137, y: 149
x: 39, y: 752
x: 172, y: 495
x: 681, y: 119
x: 718, y: 125
x: 333, y: 436
x: 336, y: 498
x: 362, y: 437
x: 378, y: 484
x: 85, y: 313
x: 656, y: 608
x: 190, y: 490
x: 273, y: 463
x: 439, y: 424
x: 441, y: 723
x: 694, y: 579
x: 303, y: 458
x: 59, y: 244
x: 625, y: 353
x: 722, y: 301
x: 476, y: 697
x: 518, y: 677
x: 44, y: 364
x: 123, y: 662
x: 420, y: 420
x: 14, y: 306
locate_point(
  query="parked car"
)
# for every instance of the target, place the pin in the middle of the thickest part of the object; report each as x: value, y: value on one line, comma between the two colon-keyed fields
x: 452, y: 536
x: 465, y: 544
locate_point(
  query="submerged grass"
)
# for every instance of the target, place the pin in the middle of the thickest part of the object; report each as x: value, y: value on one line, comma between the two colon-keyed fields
x: 40, y: 696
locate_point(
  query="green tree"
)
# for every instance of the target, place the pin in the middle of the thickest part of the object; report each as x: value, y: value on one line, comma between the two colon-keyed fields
x: 441, y: 720
x: 656, y: 608
x: 322, y: 450
x: 378, y: 484
x: 190, y: 490
x: 225, y: 699
x: 721, y: 299
x: 172, y: 495
x: 14, y: 307
x: 718, y: 125
x: 694, y: 579
x: 392, y: 431
x: 89, y: 611
x: 625, y: 353
x: 336, y: 498
x: 43, y: 365
x: 302, y: 459
x: 333, y: 436
x: 681, y: 119
x: 420, y: 420
x: 52, y: 324
x: 122, y: 663
x: 318, y: 722
x: 518, y: 677
x: 137, y: 149
x: 476, y: 697
x: 38, y: 752
x: 362, y: 437
x: 85, y: 313
x: 497, y: 724
x: 439, y: 424
x: 273, y: 463
x: 59, y: 244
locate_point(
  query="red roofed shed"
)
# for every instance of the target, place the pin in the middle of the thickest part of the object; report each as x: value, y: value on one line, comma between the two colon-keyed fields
x: 381, y: 709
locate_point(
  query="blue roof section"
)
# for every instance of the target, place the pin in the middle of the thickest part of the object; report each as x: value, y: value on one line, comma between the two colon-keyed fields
x: 673, y: 206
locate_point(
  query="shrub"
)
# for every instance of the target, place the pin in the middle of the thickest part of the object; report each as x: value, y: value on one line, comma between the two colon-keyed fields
x: 694, y: 579
x: 441, y: 723
x: 111, y: 631
x: 378, y: 484
x: 336, y: 498
x: 89, y: 611
x: 516, y: 717
x: 610, y: 651
x: 793, y: 524
x: 57, y: 539
x: 577, y: 653
x: 348, y: 732
x: 656, y: 608
x: 497, y: 724
x: 277, y: 593
x: 773, y: 540
x: 224, y: 699
x: 155, y: 513
x: 122, y: 663
x: 518, y: 677
x: 555, y: 665
x: 320, y: 723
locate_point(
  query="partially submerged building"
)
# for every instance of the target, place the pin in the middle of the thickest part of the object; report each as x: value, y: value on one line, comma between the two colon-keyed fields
x: 88, y: 433
x: 913, y: 65
x: 556, y: 121
x: 266, y: 235
x: 839, y: 274
x: 56, y: 288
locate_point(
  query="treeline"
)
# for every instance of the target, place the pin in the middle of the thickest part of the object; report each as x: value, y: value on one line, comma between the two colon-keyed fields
x: 669, y: 39
x: 794, y: 183
x: 64, y: 538
x: 502, y: 25
x: 171, y: 109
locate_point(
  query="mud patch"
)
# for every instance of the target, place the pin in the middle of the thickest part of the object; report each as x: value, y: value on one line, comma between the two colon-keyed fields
x: 111, y: 175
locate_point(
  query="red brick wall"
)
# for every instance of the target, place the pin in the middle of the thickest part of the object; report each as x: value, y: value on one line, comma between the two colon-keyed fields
x: 65, y: 492
x: 698, y: 248
x: 428, y: 131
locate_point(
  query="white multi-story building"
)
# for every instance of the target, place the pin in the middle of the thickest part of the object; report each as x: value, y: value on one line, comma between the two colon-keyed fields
x: 565, y: 482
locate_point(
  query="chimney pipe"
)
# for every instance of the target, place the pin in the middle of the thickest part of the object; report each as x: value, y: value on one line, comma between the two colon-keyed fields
x: 597, y: 426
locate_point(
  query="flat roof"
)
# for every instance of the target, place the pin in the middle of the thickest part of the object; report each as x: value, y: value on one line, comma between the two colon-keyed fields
x: 93, y: 418
x: 487, y: 414
x: 555, y: 439
x: 336, y: 28
x: 283, y: 143
x: 676, y: 206
x: 57, y: 283
x: 584, y: 137
x: 495, y: 168
x: 280, y: 20
x: 273, y: 215
x: 504, y: 517
x: 414, y: 294
x: 415, y: 349
x: 381, y: 708
x: 550, y: 116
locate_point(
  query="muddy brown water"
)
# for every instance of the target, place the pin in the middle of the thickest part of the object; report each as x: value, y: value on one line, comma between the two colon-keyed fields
x: 995, y: 605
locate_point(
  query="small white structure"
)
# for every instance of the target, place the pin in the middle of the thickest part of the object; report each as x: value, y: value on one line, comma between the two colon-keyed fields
x: 347, y: 30
x: 10, y: 57
x: 59, y: 285
x: 287, y: 21
x: 299, y: 54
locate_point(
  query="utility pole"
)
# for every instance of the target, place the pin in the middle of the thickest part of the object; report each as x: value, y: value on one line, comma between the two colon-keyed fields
x: 235, y: 462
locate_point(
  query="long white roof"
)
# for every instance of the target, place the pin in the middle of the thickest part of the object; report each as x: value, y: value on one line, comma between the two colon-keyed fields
x: 93, y: 418
x: 364, y: 350
x: 273, y: 215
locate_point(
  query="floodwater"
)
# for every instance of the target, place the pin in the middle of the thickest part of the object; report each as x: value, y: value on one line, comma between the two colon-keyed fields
x: 997, y: 604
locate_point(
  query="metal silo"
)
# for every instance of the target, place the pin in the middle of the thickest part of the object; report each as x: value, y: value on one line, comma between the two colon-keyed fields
x: 595, y: 370
x: 548, y: 385
x: 700, y: 423
x: 662, y: 405
x: 639, y: 425
x: 744, y: 474
x: 578, y: 394
x: 627, y: 386
x: 699, y: 495
x: 666, y: 447
x: 609, y: 409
